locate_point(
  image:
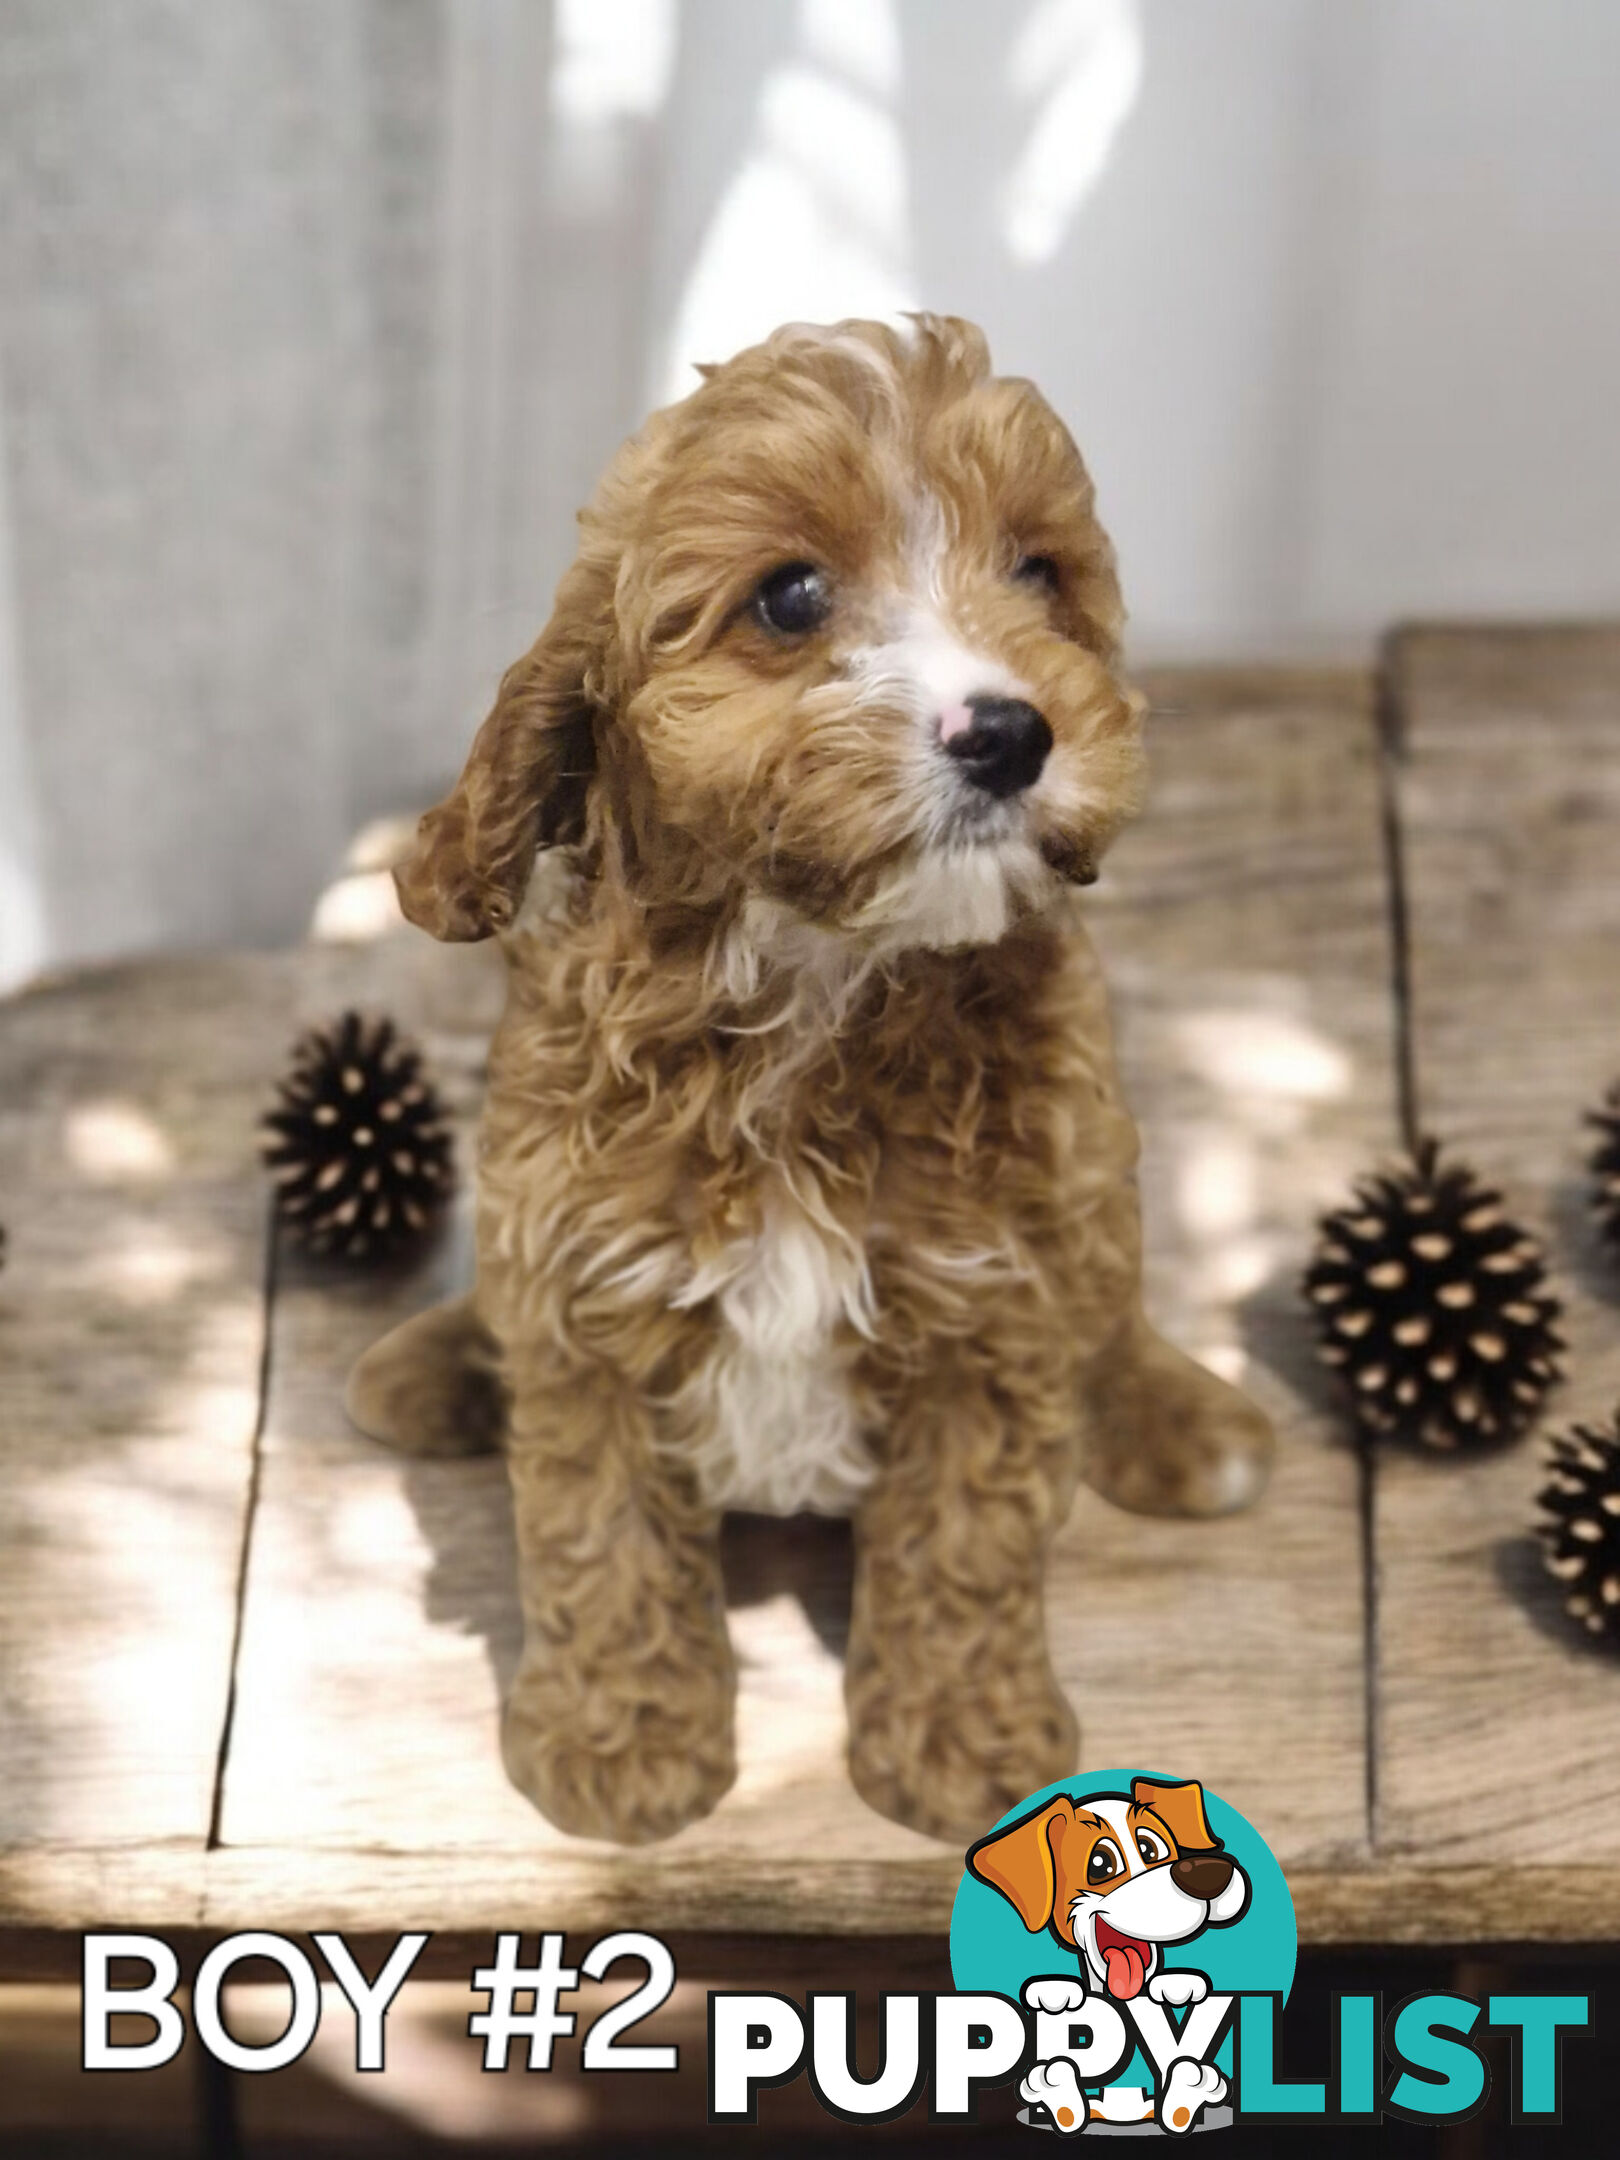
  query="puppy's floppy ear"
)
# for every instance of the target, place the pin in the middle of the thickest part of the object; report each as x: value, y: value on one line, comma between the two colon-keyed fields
x: 526, y: 776
x: 1180, y: 1807
x: 1021, y: 1861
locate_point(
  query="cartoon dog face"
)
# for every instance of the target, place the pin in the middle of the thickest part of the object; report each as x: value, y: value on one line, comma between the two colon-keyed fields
x: 1116, y: 1877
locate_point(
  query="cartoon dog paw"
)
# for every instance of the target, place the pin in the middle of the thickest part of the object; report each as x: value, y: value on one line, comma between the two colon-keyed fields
x: 1188, y: 2089
x: 1055, y: 1994
x: 1178, y: 1988
x: 1054, y: 2086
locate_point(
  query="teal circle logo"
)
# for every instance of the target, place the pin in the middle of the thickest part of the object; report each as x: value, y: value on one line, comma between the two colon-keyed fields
x: 1125, y: 1911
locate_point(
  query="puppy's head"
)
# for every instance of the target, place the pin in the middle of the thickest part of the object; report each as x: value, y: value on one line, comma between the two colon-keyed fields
x: 841, y: 640
x: 1118, y: 1877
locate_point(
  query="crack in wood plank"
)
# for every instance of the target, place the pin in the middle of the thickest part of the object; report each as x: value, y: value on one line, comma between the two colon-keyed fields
x: 250, y: 1516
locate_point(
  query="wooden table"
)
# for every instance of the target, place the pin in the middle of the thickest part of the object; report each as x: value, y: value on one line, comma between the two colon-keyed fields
x: 250, y: 1664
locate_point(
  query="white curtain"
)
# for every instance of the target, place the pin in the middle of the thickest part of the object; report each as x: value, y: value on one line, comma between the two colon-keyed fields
x: 317, y: 318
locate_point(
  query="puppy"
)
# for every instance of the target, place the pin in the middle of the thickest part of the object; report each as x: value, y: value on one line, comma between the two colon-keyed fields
x: 1116, y: 1879
x: 805, y: 1180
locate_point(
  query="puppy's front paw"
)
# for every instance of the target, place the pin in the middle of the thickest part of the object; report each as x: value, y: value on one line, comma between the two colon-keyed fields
x: 632, y: 1772
x: 1189, y: 2088
x: 1054, y: 2086
x: 1178, y: 1988
x: 951, y: 1766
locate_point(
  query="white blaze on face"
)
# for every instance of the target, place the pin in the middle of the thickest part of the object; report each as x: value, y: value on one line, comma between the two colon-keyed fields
x: 928, y: 666
x: 921, y: 660
x: 958, y: 890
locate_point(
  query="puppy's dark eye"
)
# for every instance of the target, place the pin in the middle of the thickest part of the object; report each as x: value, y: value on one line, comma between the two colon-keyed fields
x: 793, y: 600
x: 1152, y: 1849
x: 1105, y: 1862
x: 1037, y: 570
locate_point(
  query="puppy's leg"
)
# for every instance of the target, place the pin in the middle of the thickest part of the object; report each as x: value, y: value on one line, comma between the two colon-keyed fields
x: 619, y: 1723
x: 1163, y: 1435
x: 430, y: 1386
x: 954, y: 1712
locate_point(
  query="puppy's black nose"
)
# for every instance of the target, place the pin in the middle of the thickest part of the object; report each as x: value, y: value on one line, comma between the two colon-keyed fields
x: 1003, y: 747
x: 1201, y: 1875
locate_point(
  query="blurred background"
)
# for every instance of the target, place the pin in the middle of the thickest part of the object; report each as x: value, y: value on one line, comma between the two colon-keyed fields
x: 317, y: 319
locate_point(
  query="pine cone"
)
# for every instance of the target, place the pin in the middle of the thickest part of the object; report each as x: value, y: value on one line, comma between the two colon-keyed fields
x: 1429, y: 1300
x: 1582, y: 1536
x: 356, y: 1143
x: 1606, y: 1167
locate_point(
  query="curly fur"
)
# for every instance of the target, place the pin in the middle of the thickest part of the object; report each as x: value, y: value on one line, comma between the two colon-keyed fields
x: 805, y: 1179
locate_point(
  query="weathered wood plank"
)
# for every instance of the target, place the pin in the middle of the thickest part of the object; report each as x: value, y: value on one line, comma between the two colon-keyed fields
x: 381, y: 1620
x: 1509, y: 794
x: 131, y: 1325
x: 1245, y: 933
x: 478, y: 1892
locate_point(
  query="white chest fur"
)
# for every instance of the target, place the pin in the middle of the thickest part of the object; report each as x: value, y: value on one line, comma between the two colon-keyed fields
x: 770, y: 1411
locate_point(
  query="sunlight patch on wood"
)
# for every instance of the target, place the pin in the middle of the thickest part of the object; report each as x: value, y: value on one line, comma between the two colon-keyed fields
x: 111, y: 1141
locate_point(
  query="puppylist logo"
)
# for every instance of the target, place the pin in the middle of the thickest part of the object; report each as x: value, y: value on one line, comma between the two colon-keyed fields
x: 1123, y: 1946
x: 1127, y: 1926
x: 1147, y: 1934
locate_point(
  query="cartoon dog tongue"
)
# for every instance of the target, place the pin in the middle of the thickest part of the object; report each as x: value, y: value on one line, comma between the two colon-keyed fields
x: 1127, y: 1968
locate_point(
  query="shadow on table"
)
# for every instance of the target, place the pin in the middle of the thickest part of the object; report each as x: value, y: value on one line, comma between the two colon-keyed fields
x: 1579, y: 1248
x: 464, y: 1512
x: 1275, y: 1329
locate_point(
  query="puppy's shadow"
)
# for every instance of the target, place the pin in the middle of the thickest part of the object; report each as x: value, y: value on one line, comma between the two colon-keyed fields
x: 808, y: 1557
x: 463, y: 1510
x: 1277, y: 1332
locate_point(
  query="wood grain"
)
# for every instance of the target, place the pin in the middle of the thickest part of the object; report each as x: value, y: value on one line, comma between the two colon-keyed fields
x: 131, y: 1332
x: 1243, y: 928
x: 1499, y: 1732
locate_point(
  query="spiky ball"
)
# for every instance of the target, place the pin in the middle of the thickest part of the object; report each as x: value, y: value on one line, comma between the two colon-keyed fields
x: 1581, y: 1536
x: 356, y: 1142
x: 1430, y: 1301
x: 1606, y: 1167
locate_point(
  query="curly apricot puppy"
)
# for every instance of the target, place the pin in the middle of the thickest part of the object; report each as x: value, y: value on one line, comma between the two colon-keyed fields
x: 805, y: 1179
